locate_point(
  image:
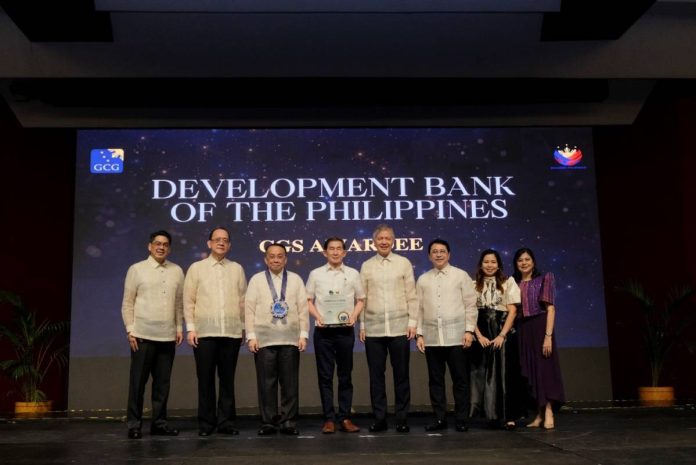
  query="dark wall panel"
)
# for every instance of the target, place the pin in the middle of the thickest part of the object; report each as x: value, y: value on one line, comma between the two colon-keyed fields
x: 646, y: 191
x: 36, y: 188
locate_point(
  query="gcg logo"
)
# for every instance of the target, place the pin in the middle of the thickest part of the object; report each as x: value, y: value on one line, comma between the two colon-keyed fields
x: 106, y: 161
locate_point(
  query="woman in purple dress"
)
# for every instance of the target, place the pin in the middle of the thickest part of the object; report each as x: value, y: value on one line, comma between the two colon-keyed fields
x: 538, y: 353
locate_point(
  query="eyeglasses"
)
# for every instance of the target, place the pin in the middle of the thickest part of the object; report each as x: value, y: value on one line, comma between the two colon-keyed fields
x: 219, y: 240
x: 161, y: 244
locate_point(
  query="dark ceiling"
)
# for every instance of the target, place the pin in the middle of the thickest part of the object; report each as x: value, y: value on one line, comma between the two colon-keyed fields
x: 114, y: 63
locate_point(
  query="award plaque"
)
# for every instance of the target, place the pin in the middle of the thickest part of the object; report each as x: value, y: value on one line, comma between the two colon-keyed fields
x: 335, y: 310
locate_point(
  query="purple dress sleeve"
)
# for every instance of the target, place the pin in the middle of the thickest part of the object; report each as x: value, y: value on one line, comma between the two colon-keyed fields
x: 548, y: 289
x: 537, y: 294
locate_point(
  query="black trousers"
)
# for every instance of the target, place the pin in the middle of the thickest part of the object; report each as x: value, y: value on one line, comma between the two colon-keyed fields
x: 333, y: 348
x: 457, y: 359
x: 152, y: 358
x: 399, y: 350
x: 216, y: 353
x: 498, y: 391
x: 278, y: 364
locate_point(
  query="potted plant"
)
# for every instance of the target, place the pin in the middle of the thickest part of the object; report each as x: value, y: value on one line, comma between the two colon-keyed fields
x: 663, y: 326
x: 35, y: 348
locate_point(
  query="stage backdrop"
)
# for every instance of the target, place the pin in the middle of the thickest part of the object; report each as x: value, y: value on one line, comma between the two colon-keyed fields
x: 476, y: 188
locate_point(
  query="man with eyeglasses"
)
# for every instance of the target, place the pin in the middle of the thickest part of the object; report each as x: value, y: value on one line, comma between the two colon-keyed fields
x: 214, y: 312
x: 152, y: 312
x: 447, y: 317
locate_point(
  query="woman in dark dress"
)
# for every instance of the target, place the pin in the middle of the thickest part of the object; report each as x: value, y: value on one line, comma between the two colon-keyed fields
x: 494, y: 360
x: 538, y: 353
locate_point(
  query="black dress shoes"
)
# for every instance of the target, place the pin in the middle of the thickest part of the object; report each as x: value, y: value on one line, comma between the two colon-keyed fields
x: 378, y: 426
x: 402, y: 428
x: 267, y: 431
x: 135, y: 433
x: 163, y: 431
x: 204, y: 433
x: 228, y: 429
x: 437, y: 425
x: 290, y: 430
x: 461, y: 427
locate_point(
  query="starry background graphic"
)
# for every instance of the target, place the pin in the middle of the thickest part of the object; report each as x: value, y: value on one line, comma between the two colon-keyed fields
x: 553, y: 211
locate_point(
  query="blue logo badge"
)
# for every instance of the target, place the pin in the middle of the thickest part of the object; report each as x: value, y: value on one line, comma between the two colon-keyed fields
x: 106, y: 161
